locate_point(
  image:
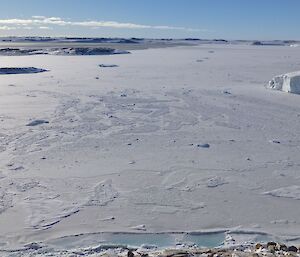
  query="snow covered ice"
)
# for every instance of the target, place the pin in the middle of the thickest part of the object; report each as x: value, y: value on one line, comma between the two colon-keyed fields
x: 162, y: 143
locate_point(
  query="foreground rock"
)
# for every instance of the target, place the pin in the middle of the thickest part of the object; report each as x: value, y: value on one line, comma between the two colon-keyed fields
x: 270, y: 249
x: 289, y: 83
x: 258, y: 250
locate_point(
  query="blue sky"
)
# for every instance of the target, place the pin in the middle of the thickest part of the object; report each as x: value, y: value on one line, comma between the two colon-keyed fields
x: 229, y: 19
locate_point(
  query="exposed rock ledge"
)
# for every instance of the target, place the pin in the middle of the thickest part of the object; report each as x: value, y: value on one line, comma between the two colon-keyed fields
x: 18, y: 70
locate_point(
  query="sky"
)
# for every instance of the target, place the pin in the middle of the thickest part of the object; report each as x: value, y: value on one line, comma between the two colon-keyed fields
x: 226, y: 19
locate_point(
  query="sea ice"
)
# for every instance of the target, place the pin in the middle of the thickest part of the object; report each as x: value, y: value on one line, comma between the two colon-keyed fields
x: 78, y: 174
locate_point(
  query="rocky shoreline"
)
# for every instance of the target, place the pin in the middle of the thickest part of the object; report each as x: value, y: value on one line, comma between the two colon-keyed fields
x: 258, y: 250
x: 270, y: 249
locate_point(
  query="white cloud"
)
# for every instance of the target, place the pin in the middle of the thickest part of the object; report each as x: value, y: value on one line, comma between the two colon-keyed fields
x: 42, y: 21
x: 6, y: 28
x: 39, y: 17
x: 45, y: 28
x: 16, y: 22
x: 110, y: 24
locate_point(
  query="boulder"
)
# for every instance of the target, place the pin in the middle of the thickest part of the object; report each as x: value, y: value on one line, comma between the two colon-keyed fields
x: 292, y: 249
x: 130, y: 254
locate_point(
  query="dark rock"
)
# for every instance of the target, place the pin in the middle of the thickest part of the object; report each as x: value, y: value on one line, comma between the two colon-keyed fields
x: 203, y: 145
x: 257, y: 43
x: 282, y: 247
x: 271, y: 243
x: 108, y: 65
x: 89, y: 51
x: 192, y: 39
x: 127, y: 41
x: 33, y: 246
x: 130, y: 254
x: 258, y: 246
x: 292, y: 248
x: 18, y: 70
x: 221, y: 40
x: 226, y: 92
x: 37, y: 122
x: 276, y: 142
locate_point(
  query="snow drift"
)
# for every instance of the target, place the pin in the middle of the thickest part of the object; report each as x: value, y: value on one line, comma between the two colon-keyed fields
x: 289, y: 83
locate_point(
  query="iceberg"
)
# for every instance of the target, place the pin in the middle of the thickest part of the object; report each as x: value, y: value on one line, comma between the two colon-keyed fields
x: 289, y: 82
